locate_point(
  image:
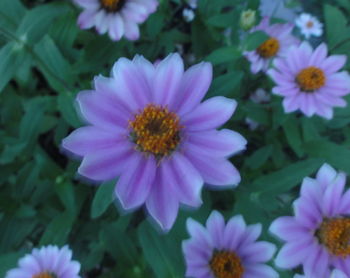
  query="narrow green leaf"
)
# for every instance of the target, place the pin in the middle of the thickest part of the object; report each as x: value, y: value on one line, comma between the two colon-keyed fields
x: 159, y: 252
x: 336, y: 155
x: 103, y: 198
x: 223, y: 55
x: 292, y: 132
x: 259, y: 157
x: 286, y: 178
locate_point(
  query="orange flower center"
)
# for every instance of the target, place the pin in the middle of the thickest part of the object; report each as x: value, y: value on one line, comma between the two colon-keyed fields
x: 156, y: 130
x: 334, y: 233
x: 310, y: 79
x: 269, y: 48
x: 112, y: 5
x: 225, y: 264
x: 309, y: 24
x: 44, y: 275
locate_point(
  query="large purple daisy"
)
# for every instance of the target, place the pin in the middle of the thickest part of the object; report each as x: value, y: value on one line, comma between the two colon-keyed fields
x: 148, y: 127
x: 116, y: 17
x: 46, y: 262
x: 309, y: 80
x: 318, y: 236
x: 226, y: 251
x: 280, y: 39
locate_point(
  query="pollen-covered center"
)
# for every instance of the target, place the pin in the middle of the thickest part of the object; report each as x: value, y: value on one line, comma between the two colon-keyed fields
x: 156, y: 130
x: 112, y: 5
x: 226, y: 264
x: 311, y: 79
x: 269, y: 48
x: 309, y: 24
x: 45, y: 275
x: 334, y: 233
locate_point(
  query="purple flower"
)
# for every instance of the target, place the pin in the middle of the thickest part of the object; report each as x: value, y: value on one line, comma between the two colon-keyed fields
x: 117, y: 17
x: 318, y: 236
x: 46, y: 262
x: 335, y: 274
x: 308, y: 80
x: 225, y: 251
x: 280, y: 39
x: 148, y: 127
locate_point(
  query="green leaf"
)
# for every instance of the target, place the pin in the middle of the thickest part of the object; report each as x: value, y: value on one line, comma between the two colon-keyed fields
x: 11, y: 13
x: 254, y: 40
x: 159, y: 252
x: 53, y: 65
x: 336, y: 155
x: 226, y: 85
x: 65, y: 102
x: 9, y: 261
x: 37, y: 21
x: 334, y: 17
x: 292, y: 131
x: 222, y: 20
x: 224, y: 55
x: 65, y: 192
x: 103, y: 198
x: 58, y: 229
x: 11, y: 57
x: 286, y: 178
x: 259, y: 157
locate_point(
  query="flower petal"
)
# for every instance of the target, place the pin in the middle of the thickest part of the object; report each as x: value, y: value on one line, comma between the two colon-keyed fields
x: 167, y: 80
x: 134, y: 185
x: 162, y: 203
x: 212, y: 113
x: 194, y: 85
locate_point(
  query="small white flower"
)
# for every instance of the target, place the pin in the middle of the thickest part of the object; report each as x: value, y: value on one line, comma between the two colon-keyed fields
x: 252, y: 125
x: 192, y: 3
x: 309, y: 25
x: 188, y: 15
x: 260, y: 96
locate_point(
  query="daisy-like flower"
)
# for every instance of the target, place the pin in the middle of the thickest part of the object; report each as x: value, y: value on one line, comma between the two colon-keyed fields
x: 229, y: 250
x: 318, y: 236
x: 309, y: 80
x: 116, y: 17
x: 280, y: 39
x: 148, y: 127
x: 46, y: 262
x: 309, y: 25
x: 335, y: 274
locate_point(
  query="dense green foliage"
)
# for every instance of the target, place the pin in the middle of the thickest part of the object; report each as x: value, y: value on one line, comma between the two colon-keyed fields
x: 45, y: 60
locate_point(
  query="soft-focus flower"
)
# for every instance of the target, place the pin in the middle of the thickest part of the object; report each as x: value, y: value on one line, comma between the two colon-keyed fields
x: 280, y: 39
x: 335, y: 274
x: 252, y: 125
x: 247, y: 19
x: 46, y: 262
x: 260, y: 96
x: 192, y: 3
x: 309, y: 80
x: 188, y: 14
x: 147, y: 126
x: 116, y: 17
x: 309, y: 25
x: 229, y: 250
x: 318, y: 236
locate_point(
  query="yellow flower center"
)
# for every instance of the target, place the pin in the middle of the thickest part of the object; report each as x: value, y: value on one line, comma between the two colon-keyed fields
x: 310, y: 79
x: 112, y: 5
x: 334, y: 233
x: 269, y: 48
x: 44, y: 275
x: 156, y: 130
x: 226, y: 264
